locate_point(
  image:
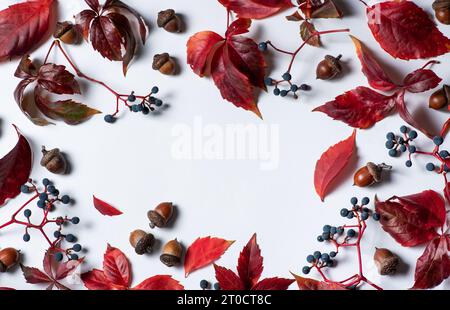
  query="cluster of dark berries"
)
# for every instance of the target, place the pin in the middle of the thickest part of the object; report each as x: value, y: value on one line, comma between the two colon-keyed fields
x: 205, y: 285
x: 359, y: 211
x: 146, y: 105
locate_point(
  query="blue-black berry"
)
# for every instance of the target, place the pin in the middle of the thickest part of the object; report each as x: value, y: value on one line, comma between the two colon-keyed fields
x: 310, y: 259
x: 283, y: 93
x: 158, y: 102
x: 333, y: 254
x: 73, y: 256
x: 77, y: 247
x: 155, y: 89
x: 305, y: 87
x: 27, y: 213
x: 41, y: 204
x: 351, y: 233
x: 390, y: 136
x: 412, y: 149
x: 45, y: 182
x: 216, y: 286
x: 262, y: 46
x: 444, y: 154
x: 70, y: 238
x: 325, y: 257
x: 306, y: 269
x: 294, y: 88
x: 287, y: 76
x: 65, y: 199
x: 326, y: 228
x: 403, y: 129
x: 354, y: 201
x: 438, y: 140
x: 376, y: 216
x: 51, y: 189
x: 364, y: 216
x: 276, y: 91
x: 43, y: 196
x: 26, y: 237
x: 344, y: 212
x: 132, y: 98
x: 390, y: 144
x: 57, y: 234
x: 75, y: 220
x: 412, y: 134
x: 109, y: 118
x: 333, y: 230
x: 24, y: 189
x: 408, y: 163
x: 430, y: 167
x: 320, y: 238
x: 365, y: 201
x: 403, y: 148
x: 350, y: 215
x: 326, y: 235
x: 204, y: 284
x: 317, y: 254
x: 392, y: 153
x: 58, y: 256
x: 268, y: 81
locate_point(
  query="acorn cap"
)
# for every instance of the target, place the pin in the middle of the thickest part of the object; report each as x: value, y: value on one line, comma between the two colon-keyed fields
x: 160, y: 215
x: 377, y: 170
x: 441, y: 5
x: 62, y: 28
x: 159, y: 60
x: 142, y: 241
x: 171, y: 255
x: 165, y: 16
x: 335, y: 62
x: 48, y: 155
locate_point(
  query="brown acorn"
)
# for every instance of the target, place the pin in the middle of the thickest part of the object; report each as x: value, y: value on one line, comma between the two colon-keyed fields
x: 141, y: 241
x: 170, y: 21
x: 164, y: 64
x: 442, y: 11
x: 9, y: 257
x: 369, y: 174
x: 171, y: 254
x: 329, y: 68
x: 160, y: 215
x: 54, y: 161
x: 386, y: 261
x: 67, y: 33
x: 440, y: 98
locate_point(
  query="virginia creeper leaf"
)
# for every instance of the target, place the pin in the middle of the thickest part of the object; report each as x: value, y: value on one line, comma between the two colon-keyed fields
x: 95, y: 280
x: 307, y: 284
x: 56, y: 79
x: 22, y: 26
x: 421, y: 80
x: 270, y: 284
x: 331, y: 163
x: 405, y: 31
x: 360, y: 107
x: 105, y: 208
x: 116, y: 267
x: 200, y: 48
x: 306, y: 31
x: 203, y: 252
x: 433, y: 267
x: 34, y: 275
x: 227, y: 279
x: 15, y: 168
x: 447, y: 191
x: 256, y: 9
x: 250, y: 263
x: 159, y: 283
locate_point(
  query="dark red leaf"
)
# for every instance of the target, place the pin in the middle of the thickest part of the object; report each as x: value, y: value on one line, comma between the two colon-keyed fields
x: 421, y: 80
x: 203, y: 252
x: 160, y: 283
x: 105, y: 208
x: 26, y: 69
x: 200, y: 47
x: 250, y: 263
x: 15, y: 168
x: 116, y: 267
x: 22, y: 26
x: 278, y: 284
x: 307, y: 284
x: 56, y: 79
x: 65, y: 269
x: 331, y: 163
x: 7, y: 289
x: 96, y: 280
x: 106, y: 38
x: 84, y: 20
x: 256, y: 9
x: 433, y: 266
x: 360, y: 107
x: 447, y: 191
x: 34, y: 275
x: 306, y: 31
x: 93, y: 4
x: 26, y: 105
x: 321, y: 9
x: 405, y: 31
x: 127, y: 34
x: 412, y: 220
x: 227, y: 279
x: 375, y: 74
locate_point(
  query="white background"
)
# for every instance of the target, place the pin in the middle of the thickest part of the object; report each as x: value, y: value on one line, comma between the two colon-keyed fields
x: 130, y: 164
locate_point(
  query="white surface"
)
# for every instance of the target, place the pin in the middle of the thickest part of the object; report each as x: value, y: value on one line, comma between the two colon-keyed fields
x: 130, y: 164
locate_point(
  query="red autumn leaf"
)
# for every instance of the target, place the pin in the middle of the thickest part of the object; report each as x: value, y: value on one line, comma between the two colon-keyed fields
x: 405, y: 31
x: 95, y: 280
x: 56, y: 79
x: 34, y: 275
x: 203, y: 252
x: 250, y: 267
x: 375, y: 74
x: 360, y: 107
x: 234, y: 62
x: 413, y: 219
x: 331, y: 163
x: 15, y: 168
x: 433, y: 266
x: 116, y: 267
x: 7, y: 289
x: 159, y: 283
x: 256, y: 9
x: 22, y: 26
x: 447, y: 191
x: 105, y: 208
x: 307, y: 284
x: 421, y: 80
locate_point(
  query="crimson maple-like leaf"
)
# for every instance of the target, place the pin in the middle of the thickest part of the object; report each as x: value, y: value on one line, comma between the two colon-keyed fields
x: 234, y: 62
x: 421, y: 80
x: 375, y: 74
x: 412, y: 220
x: 15, y: 168
x: 250, y: 267
x: 405, y: 31
x: 331, y: 163
x: 203, y: 252
x: 110, y: 31
x: 256, y: 9
x: 105, y: 208
x: 96, y: 280
x: 116, y: 267
x: 307, y: 284
x: 163, y: 282
x: 22, y: 26
x: 360, y: 107
x: 433, y: 267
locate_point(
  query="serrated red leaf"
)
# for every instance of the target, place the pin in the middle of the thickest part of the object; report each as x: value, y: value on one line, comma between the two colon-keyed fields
x: 227, y: 279
x: 375, y: 74
x: 271, y: 284
x: 105, y: 208
x: 22, y: 26
x: 256, y: 9
x: 15, y: 168
x: 203, y: 252
x: 116, y: 267
x: 433, y: 267
x: 360, y: 107
x: 307, y: 284
x: 162, y: 282
x: 412, y: 220
x: 200, y: 48
x: 250, y: 263
x: 34, y: 275
x: 56, y: 79
x: 421, y: 80
x: 405, y: 31
x: 95, y: 280
x: 331, y: 163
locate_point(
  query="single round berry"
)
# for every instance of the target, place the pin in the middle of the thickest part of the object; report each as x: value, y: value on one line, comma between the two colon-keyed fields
x: 430, y: 167
x: 376, y: 216
x: 135, y: 108
x: 45, y: 182
x: 276, y: 91
x: 350, y: 215
x: 55, y: 193
x: 75, y: 220
x: 317, y: 254
x: 310, y: 259
x: 140, y: 107
x: 77, y: 247
x: 400, y: 140
x: 408, y: 163
x: 326, y: 228
x: 438, y: 140
x: 27, y: 213
x: 109, y: 118
x: 306, y: 269
x: 390, y: 144
x: 444, y: 154
x: 57, y: 234
x: 43, y: 196
x: 412, y: 134
x: 325, y: 257
x: 326, y: 236
x: 65, y: 199
x: 283, y: 93
x: 365, y: 201
x: 58, y: 256
x: 73, y: 256
x: 131, y: 98
x: 354, y: 201
x: 333, y: 254
x: 333, y: 230
x: 364, y: 216
x: 262, y: 46
x: 392, y: 153
x: 204, y: 284
x: 26, y: 237
x: 155, y: 89
x: 305, y: 87
x: 70, y: 238
x: 294, y: 88
x: 403, y: 148
x: 412, y: 149
x: 390, y: 136
x: 320, y: 238
x: 403, y: 129
x: 216, y: 286
x: 287, y: 76
x: 158, y: 102
x: 41, y: 204
x: 24, y: 189
x: 268, y: 81
x: 344, y: 212
x: 145, y: 110
x: 51, y: 189
x: 351, y: 233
